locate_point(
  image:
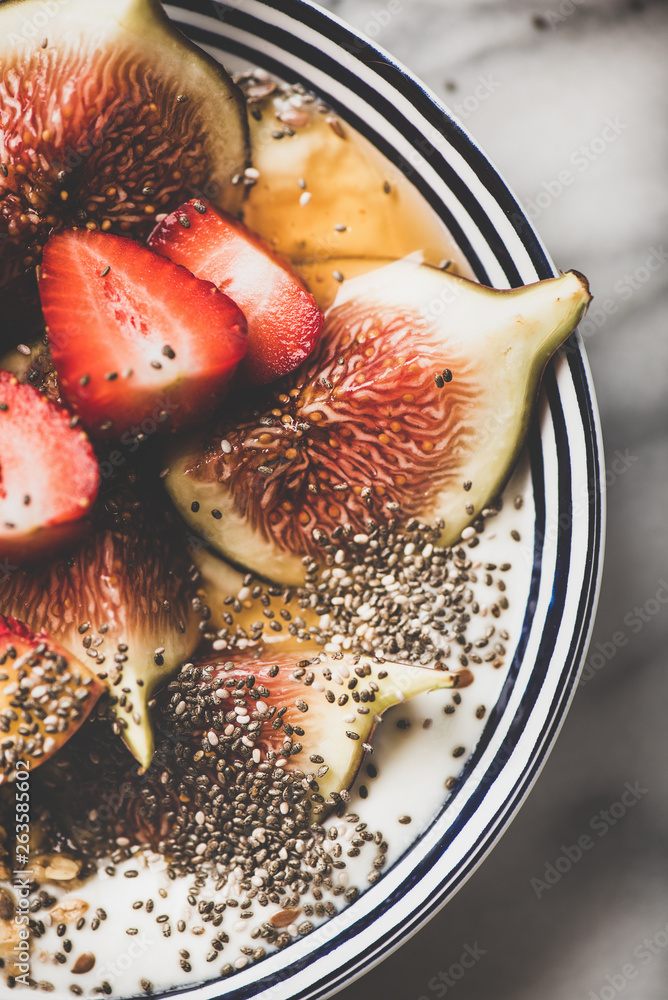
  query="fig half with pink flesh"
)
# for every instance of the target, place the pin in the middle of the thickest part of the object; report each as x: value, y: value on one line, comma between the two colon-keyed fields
x: 415, y: 403
x: 109, y: 117
x: 314, y: 715
x: 45, y: 696
x: 122, y: 602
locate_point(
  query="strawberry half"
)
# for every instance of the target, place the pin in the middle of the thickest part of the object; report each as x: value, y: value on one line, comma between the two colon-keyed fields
x: 135, y: 338
x: 284, y: 321
x: 49, y: 475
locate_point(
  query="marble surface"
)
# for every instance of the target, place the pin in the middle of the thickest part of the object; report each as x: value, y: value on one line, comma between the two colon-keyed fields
x: 579, y: 86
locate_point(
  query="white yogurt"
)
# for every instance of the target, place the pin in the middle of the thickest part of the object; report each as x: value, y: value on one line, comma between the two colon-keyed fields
x: 404, y: 787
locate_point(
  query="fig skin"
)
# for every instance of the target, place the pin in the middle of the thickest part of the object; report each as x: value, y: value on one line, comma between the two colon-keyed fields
x: 96, y: 129
x: 316, y: 719
x: 296, y: 722
x: 35, y: 659
x: 125, y: 592
x: 368, y: 428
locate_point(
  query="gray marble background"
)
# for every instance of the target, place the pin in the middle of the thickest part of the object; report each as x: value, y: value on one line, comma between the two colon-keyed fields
x: 545, y: 87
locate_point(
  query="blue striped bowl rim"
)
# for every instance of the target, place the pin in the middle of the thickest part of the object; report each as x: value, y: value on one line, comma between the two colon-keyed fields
x: 388, y: 105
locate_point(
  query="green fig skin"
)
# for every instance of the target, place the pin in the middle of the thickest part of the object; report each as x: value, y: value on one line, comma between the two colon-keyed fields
x: 115, y: 601
x: 34, y: 663
x: 401, y: 432
x: 329, y: 710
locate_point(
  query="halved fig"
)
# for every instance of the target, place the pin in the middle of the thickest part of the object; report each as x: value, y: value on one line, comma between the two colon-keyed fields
x: 298, y: 147
x: 417, y: 400
x: 314, y: 715
x: 269, y: 742
x: 49, y: 476
x: 46, y: 694
x: 109, y: 117
x: 121, y: 600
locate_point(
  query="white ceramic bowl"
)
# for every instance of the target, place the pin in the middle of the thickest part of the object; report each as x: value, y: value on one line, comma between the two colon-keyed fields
x: 298, y: 41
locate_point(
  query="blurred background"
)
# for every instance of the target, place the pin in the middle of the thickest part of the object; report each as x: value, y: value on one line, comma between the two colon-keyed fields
x: 569, y: 98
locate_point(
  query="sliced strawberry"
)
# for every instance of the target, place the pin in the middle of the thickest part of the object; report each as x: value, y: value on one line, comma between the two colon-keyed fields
x: 45, y: 696
x: 134, y: 337
x: 284, y: 322
x: 49, y: 475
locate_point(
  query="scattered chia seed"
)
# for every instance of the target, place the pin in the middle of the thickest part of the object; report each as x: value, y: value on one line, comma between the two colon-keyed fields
x: 234, y: 814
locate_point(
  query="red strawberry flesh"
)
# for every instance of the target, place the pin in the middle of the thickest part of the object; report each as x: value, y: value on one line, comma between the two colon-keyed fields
x: 133, y: 336
x: 49, y: 476
x: 284, y: 321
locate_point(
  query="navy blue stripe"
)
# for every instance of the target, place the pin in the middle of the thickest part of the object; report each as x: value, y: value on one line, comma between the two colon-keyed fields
x: 259, y: 57
x: 588, y: 593
x: 440, y: 120
x: 594, y: 512
x: 435, y: 899
x: 440, y: 893
x: 390, y: 71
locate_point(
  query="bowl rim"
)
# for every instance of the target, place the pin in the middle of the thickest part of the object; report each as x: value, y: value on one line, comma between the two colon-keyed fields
x: 564, y: 446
